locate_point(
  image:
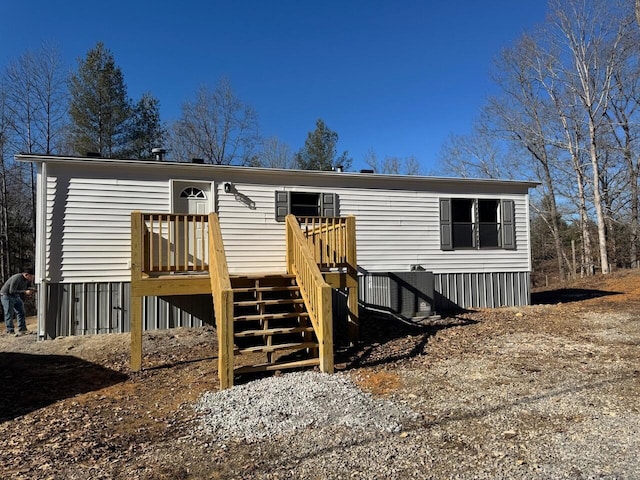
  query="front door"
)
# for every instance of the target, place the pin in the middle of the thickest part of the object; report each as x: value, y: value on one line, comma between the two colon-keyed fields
x: 191, y: 198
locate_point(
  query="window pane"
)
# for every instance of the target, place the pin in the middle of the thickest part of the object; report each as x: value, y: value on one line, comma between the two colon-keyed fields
x: 463, y: 235
x: 489, y: 235
x: 305, y: 204
x: 488, y: 211
x: 461, y: 209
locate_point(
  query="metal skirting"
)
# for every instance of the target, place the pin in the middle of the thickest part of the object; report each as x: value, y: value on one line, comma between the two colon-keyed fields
x: 482, y: 290
x: 409, y: 294
x: 418, y: 293
x: 92, y: 308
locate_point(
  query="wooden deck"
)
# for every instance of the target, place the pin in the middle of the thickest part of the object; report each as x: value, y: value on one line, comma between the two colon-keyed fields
x: 285, y: 312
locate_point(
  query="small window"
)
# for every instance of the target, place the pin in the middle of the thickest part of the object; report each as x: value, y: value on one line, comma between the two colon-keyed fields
x: 192, y: 192
x: 305, y: 204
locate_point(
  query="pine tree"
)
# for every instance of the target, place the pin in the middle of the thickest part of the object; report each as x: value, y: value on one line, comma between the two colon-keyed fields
x: 319, y: 151
x: 145, y: 130
x: 99, y: 108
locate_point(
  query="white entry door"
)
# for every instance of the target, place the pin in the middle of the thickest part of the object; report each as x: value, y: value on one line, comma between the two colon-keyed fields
x: 192, y: 198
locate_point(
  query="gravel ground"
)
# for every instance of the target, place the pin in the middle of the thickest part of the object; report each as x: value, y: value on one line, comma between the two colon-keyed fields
x: 520, y: 404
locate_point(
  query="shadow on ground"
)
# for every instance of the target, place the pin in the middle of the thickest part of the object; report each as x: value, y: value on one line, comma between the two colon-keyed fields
x: 30, y: 382
x: 566, y: 295
x: 386, y: 338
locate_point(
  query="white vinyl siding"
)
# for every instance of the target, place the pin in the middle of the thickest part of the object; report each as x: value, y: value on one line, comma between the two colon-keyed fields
x: 89, y: 224
x: 395, y: 229
x: 403, y: 229
x: 89, y: 205
x: 253, y: 240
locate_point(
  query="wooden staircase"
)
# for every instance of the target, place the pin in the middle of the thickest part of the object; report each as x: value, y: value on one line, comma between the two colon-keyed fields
x: 273, y: 321
x: 270, y: 318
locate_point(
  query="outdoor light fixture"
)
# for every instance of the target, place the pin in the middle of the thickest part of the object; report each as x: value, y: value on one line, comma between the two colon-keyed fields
x: 227, y: 187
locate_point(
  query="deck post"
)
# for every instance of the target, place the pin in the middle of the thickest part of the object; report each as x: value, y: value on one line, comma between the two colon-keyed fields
x: 225, y: 339
x: 135, y: 306
x: 136, y: 332
x: 326, y: 330
x: 353, y: 326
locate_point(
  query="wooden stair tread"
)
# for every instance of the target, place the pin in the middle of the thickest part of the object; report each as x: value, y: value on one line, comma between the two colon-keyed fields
x: 270, y: 316
x: 275, y: 288
x: 275, y: 348
x: 278, y: 301
x: 272, y: 331
x: 261, y: 276
x: 265, y: 367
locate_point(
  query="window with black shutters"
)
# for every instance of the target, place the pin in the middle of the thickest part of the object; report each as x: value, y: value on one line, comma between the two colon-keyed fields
x: 305, y: 204
x: 476, y: 223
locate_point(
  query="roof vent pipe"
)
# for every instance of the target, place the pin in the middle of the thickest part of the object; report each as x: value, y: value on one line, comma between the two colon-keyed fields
x: 339, y: 168
x: 158, y: 153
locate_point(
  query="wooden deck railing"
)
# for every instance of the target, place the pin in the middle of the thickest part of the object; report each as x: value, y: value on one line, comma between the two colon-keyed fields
x: 172, y: 242
x: 222, y: 302
x: 315, y: 291
x: 331, y: 240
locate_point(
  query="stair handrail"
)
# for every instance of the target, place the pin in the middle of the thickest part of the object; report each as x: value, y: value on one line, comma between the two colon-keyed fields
x: 222, y: 301
x: 315, y: 291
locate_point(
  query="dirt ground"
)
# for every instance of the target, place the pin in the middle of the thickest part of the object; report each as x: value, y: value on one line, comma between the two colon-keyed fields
x: 70, y: 407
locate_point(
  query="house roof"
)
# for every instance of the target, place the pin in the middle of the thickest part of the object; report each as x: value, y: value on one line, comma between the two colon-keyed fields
x: 285, y: 176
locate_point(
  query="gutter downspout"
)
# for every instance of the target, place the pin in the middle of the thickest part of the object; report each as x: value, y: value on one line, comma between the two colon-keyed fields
x: 41, y: 253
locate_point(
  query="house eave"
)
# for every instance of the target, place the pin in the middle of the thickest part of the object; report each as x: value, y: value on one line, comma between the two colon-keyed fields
x: 275, y: 175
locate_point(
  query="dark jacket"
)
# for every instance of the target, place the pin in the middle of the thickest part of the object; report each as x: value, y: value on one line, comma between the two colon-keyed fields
x: 15, y: 285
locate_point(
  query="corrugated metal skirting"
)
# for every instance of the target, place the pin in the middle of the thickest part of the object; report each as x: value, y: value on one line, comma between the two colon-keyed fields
x: 397, y: 292
x: 90, y: 308
x: 482, y: 290
x: 409, y: 294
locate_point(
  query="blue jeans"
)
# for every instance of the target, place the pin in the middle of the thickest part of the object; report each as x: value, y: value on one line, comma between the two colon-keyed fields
x: 9, y: 304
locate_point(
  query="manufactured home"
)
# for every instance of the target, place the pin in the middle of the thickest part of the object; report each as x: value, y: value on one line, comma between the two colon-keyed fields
x: 421, y: 244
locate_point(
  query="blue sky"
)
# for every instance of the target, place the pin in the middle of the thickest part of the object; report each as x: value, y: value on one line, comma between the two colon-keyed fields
x: 397, y: 77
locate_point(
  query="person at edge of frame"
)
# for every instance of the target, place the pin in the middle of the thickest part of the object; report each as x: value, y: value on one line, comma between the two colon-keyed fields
x: 11, y: 296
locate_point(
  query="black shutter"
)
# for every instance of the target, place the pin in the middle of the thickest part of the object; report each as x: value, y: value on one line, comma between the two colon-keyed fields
x: 329, y: 205
x: 282, y: 205
x: 508, y: 225
x: 446, y: 238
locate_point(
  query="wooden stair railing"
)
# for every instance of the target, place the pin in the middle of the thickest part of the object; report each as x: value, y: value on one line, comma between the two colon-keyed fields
x: 316, y: 292
x: 332, y: 241
x: 222, y: 302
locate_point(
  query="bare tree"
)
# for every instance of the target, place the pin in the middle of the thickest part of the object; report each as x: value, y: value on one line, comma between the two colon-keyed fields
x: 36, y: 102
x: 593, y: 36
x: 482, y: 153
x: 523, y: 116
x: 217, y: 127
x: 393, y: 165
x: 5, y: 126
x: 276, y: 154
x: 624, y: 120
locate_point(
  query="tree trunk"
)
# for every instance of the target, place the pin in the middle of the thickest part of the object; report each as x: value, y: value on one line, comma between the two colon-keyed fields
x: 597, y: 198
